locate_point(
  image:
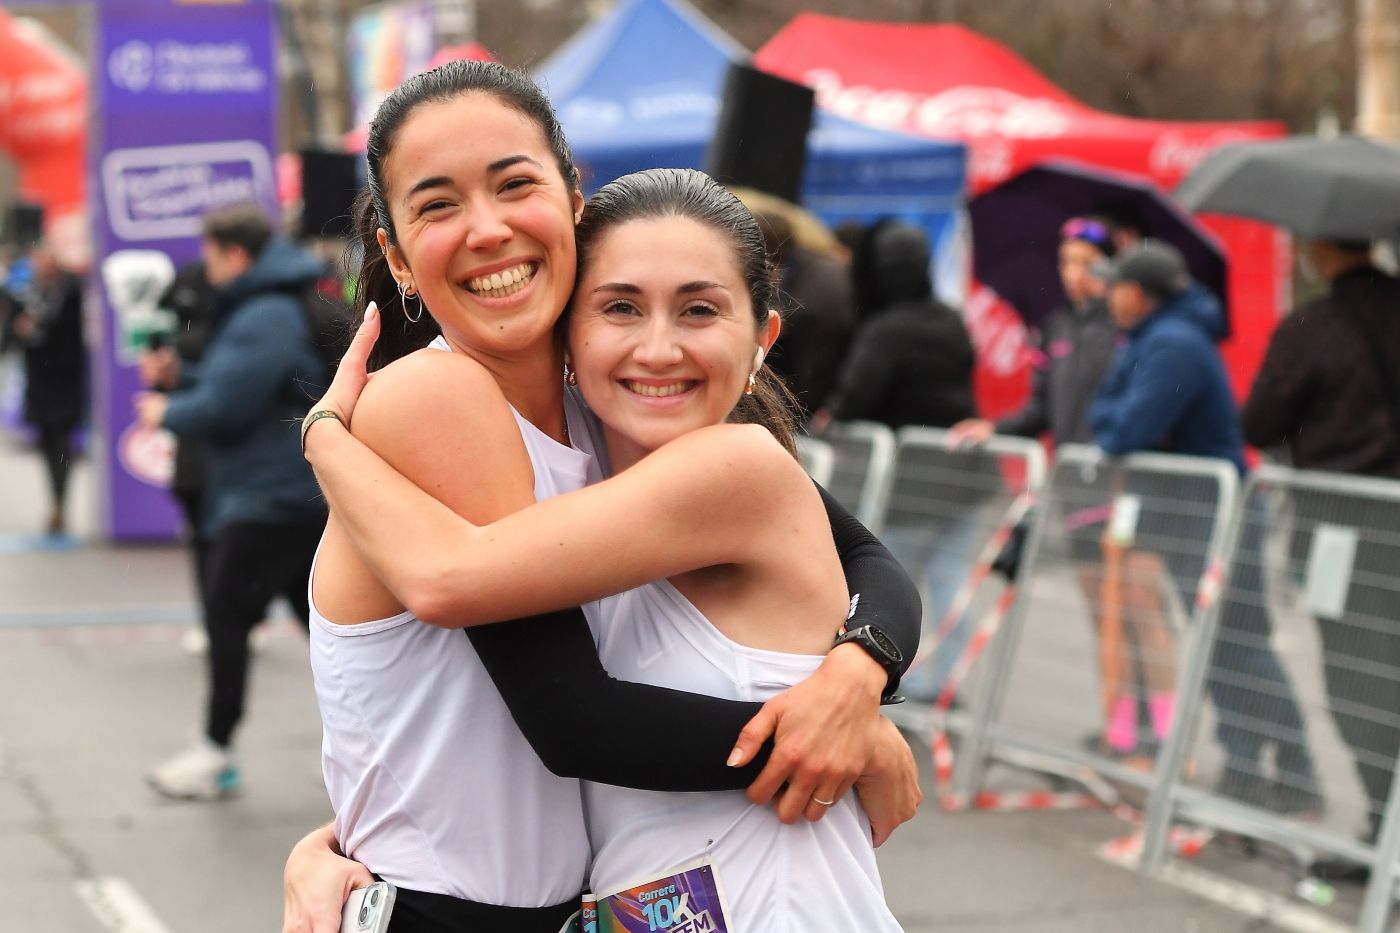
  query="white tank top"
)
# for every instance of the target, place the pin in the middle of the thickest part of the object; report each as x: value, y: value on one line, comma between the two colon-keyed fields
x: 434, y: 787
x: 809, y: 876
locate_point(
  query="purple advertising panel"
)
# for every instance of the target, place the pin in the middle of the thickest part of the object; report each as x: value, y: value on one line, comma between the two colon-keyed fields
x: 185, y: 120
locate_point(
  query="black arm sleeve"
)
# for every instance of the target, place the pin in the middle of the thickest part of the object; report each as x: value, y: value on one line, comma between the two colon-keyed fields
x: 585, y: 723
x: 888, y: 598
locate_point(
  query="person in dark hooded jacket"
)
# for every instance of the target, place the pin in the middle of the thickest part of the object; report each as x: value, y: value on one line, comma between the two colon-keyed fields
x: 911, y: 364
x: 1167, y: 391
x: 263, y: 512
x: 911, y: 360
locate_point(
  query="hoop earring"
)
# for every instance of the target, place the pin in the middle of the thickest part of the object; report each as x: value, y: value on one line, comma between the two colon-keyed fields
x: 403, y: 300
x: 753, y: 384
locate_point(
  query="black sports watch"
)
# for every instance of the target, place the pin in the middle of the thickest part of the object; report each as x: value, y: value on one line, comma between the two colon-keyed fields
x: 885, y: 652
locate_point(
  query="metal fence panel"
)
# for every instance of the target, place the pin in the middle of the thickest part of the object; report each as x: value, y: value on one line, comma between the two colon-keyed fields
x: 1087, y: 671
x: 942, y: 505
x: 1299, y: 741
x: 863, y: 455
x: 818, y: 459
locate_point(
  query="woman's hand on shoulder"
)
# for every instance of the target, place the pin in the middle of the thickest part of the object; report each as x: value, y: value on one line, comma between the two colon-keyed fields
x: 316, y: 882
x: 889, y: 789
x: 351, y: 373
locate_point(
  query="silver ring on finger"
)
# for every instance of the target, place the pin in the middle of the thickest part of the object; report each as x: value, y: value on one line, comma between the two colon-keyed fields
x: 821, y: 802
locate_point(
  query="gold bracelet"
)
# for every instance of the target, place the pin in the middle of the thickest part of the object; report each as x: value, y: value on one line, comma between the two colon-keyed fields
x: 316, y: 416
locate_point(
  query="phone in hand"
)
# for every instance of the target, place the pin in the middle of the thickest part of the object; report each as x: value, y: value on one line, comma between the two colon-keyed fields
x: 368, y: 909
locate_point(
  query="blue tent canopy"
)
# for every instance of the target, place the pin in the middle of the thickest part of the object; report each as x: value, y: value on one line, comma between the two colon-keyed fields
x: 642, y: 88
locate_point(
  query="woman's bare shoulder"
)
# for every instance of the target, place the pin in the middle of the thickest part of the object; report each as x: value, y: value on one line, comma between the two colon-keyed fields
x: 441, y: 420
x: 433, y: 373
x: 432, y: 397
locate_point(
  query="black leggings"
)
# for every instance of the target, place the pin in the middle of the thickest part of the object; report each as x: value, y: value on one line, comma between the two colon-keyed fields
x: 56, y: 444
x: 247, y: 566
x: 425, y: 912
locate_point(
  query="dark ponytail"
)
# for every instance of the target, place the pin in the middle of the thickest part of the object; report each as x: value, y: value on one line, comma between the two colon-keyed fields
x: 671, y: 192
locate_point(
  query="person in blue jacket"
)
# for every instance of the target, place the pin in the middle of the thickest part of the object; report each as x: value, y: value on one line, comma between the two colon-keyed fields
x: 1167, y: 390
x: 263, y: 512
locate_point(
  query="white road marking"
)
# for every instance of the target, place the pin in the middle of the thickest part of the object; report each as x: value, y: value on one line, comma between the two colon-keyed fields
x: 118, y: 907
x: 1281, y: 912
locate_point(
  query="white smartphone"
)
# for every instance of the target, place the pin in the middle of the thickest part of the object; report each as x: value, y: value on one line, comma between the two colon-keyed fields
x: 368, y: 909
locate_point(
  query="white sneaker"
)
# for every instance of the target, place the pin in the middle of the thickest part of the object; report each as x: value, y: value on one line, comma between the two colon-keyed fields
x: 204, y: 771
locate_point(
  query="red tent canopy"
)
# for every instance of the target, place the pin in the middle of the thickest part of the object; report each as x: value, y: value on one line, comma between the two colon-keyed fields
x: 950, y: 82
x: 43, y: 127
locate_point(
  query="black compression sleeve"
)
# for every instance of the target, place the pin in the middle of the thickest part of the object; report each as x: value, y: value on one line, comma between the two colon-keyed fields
x: 888, y: 597
x: 585, y: 723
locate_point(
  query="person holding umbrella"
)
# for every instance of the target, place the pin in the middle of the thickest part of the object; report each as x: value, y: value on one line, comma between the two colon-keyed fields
x: 1329, y: 390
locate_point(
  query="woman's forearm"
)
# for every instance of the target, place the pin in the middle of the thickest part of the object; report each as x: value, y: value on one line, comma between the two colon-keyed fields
x: 882, y: 591
x: 584, y: 723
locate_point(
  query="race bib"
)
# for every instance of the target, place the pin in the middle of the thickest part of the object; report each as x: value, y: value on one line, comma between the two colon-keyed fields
x: 588, y: 915
x: 689, y: 900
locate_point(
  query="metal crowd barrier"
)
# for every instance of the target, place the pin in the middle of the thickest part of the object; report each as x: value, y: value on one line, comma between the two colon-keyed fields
x: 1291, y: 722
x: 1084, y: 678
x: 863, y: 452
x: 817, y: 458
x: 941, y: 510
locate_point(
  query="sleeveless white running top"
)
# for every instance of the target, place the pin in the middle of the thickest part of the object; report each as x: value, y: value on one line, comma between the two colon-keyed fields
x: 434, y: 787
x: 776, y: 878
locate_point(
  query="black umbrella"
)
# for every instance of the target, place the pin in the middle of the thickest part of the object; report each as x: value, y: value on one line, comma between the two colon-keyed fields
x: 1016, y: 230
x: 1345, y: 188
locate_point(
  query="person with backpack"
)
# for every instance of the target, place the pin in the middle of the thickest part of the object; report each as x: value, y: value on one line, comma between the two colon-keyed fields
x: 1329, y: 391
x: 263, y: 512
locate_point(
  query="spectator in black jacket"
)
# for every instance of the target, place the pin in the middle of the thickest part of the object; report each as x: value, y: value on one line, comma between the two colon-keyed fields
x: 911, y: 362
x: 1329, y: 390
x: 1329, y: 387
x: 49, y: 326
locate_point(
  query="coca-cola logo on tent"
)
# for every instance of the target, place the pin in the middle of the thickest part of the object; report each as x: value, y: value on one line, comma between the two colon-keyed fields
x: 1175, y: 154
x: 967, y: 111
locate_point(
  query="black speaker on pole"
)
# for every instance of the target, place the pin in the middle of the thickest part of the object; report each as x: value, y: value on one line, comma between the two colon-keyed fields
x: 329, y: 183
x: 761, y: 139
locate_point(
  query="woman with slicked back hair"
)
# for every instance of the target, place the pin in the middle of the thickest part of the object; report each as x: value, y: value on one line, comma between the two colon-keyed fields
x: 470, y: 261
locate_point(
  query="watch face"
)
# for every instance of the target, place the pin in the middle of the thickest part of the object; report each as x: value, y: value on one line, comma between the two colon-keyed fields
x: 883, y: 642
